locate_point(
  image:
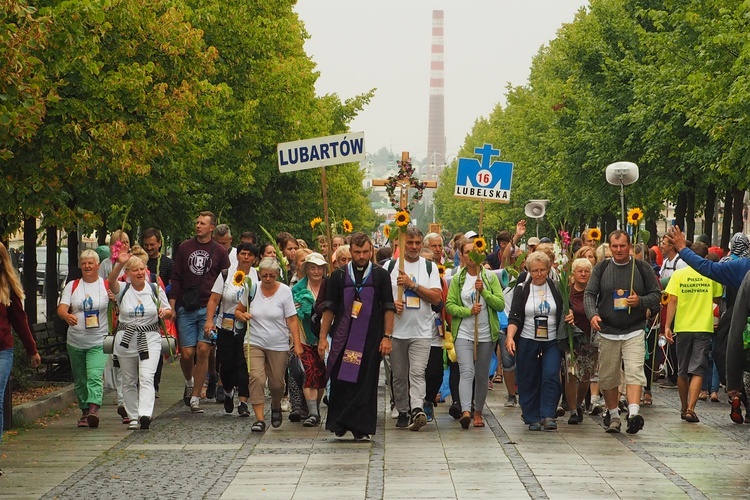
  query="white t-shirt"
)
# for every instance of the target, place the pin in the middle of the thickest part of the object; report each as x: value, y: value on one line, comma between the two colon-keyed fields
x: 231, y: 295
x: 267, y: 328
x: 541, y: 302
x: 670, y: 266
x: 466, y: 330
x: 415, y: 323
x: 92, y: 298
x: 139, y: 308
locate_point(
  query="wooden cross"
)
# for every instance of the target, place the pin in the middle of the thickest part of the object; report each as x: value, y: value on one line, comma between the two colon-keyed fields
x: 403, y: 185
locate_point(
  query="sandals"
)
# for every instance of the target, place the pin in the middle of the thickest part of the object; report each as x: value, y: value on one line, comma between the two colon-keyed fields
x: 465, y: 419
x: 690, y: 416
x: 83, y: 421
x: 498, y: 379
x: 312, y: 421
x: 276, y: 418
x: 647, y: 399
x: 258, y: 426
x: 478, y: 420
x: 736, y: 412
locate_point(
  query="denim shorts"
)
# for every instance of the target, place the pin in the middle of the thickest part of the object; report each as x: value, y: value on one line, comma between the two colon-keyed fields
x: 190, y: 327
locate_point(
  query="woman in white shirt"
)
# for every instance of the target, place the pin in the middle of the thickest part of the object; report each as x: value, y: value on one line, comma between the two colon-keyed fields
x: 83, y: 307
x: 535, y: 324
x: 272, y: 318
x: 138, y: 339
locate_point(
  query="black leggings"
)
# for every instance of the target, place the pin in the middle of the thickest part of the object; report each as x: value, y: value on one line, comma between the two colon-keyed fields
x: 230, y: 357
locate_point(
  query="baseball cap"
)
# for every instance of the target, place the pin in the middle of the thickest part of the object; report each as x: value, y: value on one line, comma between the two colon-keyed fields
x: 315, y: 258
x: 533, y: 241
x: 470, y: 234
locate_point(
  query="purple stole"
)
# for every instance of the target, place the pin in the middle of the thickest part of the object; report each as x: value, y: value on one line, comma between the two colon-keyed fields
x: 351, y: 333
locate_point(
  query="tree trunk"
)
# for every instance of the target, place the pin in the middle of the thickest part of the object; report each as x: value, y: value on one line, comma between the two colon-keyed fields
x: 29, y: 268
x: 651, y: 228
x: 609, y: 224
x: 73, y: 252
x: 51, y: 276
x: 710, y: 213
x: 690, y: 213
x: 726, y: 225
x: 679, y: 211
x: 738, y: 207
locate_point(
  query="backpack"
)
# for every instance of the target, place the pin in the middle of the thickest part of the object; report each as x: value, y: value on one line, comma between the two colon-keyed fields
x: 392, y: 266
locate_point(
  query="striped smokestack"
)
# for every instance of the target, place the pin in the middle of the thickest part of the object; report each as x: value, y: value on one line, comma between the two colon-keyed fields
x: 436, y: 120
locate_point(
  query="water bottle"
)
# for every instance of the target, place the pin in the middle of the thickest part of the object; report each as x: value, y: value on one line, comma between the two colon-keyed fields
x: 662, y: 340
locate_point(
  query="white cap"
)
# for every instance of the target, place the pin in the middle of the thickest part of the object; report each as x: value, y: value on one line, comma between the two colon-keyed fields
x: 470, y: 234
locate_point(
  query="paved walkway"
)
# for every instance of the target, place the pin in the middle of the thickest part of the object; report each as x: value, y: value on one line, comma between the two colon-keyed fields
x: 215, y: 455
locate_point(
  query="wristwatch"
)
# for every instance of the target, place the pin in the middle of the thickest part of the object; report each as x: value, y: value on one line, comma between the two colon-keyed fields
x: 415, y: 287
x: 387, y: 336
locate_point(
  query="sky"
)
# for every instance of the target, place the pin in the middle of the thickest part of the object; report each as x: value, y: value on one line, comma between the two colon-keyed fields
x: 385, y: 44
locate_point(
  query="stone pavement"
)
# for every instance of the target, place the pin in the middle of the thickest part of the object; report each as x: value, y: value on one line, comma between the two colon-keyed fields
x: 215, y: 455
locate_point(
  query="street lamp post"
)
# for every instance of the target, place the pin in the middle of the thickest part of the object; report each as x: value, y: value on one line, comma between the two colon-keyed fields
x: 622, y: 173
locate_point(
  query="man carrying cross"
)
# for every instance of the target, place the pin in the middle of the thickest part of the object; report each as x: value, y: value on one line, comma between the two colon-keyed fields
x: 412, y: 329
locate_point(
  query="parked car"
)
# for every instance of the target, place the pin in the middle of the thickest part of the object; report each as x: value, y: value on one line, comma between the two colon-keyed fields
x: 41, y: 267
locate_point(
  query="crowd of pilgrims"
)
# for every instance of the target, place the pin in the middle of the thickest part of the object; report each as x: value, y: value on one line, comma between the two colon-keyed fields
x: 307, y: 324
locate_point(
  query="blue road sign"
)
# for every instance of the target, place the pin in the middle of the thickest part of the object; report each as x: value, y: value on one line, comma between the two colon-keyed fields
x: 486, y: 179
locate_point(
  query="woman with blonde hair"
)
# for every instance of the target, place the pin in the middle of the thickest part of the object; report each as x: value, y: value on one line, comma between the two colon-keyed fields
x: 138, y: 339
x: 83, y: 307
x: 12, y: 315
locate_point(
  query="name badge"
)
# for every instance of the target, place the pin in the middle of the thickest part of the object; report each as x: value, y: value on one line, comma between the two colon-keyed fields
x: 91, y: 319
x: 540, y: 327
x: 620, y: 298
x: 356, y: 307
x: 411, y: 300
x: 227, y: 321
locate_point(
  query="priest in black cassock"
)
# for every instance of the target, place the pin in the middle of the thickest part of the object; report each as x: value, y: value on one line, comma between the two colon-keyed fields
x: 359, y: 312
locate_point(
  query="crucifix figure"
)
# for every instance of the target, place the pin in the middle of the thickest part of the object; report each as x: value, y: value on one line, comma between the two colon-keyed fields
x: 403, y: 181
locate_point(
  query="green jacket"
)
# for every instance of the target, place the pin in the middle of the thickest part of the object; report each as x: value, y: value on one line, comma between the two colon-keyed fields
x: 492, y: 294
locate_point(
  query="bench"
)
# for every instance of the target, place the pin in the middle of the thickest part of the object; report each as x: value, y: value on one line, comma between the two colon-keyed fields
x: 53, y: 350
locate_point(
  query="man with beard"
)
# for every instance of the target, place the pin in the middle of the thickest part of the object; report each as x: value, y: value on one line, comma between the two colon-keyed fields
x: 359, y: 312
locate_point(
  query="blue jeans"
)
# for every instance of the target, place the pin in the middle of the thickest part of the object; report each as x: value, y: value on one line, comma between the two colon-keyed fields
x: 711, y: 378
x: 6, y: 365
x: 190, y: 327
x: 538, y: 377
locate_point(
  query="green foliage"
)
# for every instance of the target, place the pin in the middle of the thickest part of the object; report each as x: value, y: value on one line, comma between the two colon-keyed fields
x: 661, y: 83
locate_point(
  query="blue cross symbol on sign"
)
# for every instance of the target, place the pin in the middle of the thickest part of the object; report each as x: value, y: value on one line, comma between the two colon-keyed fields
x: 484, y: 179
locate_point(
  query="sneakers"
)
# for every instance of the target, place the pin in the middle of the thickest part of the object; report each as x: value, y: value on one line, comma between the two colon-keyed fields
x: 403, y: 420
x: 243, y: 410
x: 613, y: 427
x: 124, y: 414
x: 195, y: 406
x: 429, y: 411
x: 394, y: 412
x: 511, y: 401
x: 418, y: 419
x: 133, y: 425
x: 228, y: 400
x: 550, y: 424
x: 186, y: 395
x: 211, y: 387
x: 635, y: 423
x: 145, y: 422
x: 576, y: 417
x: 221, y: 394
